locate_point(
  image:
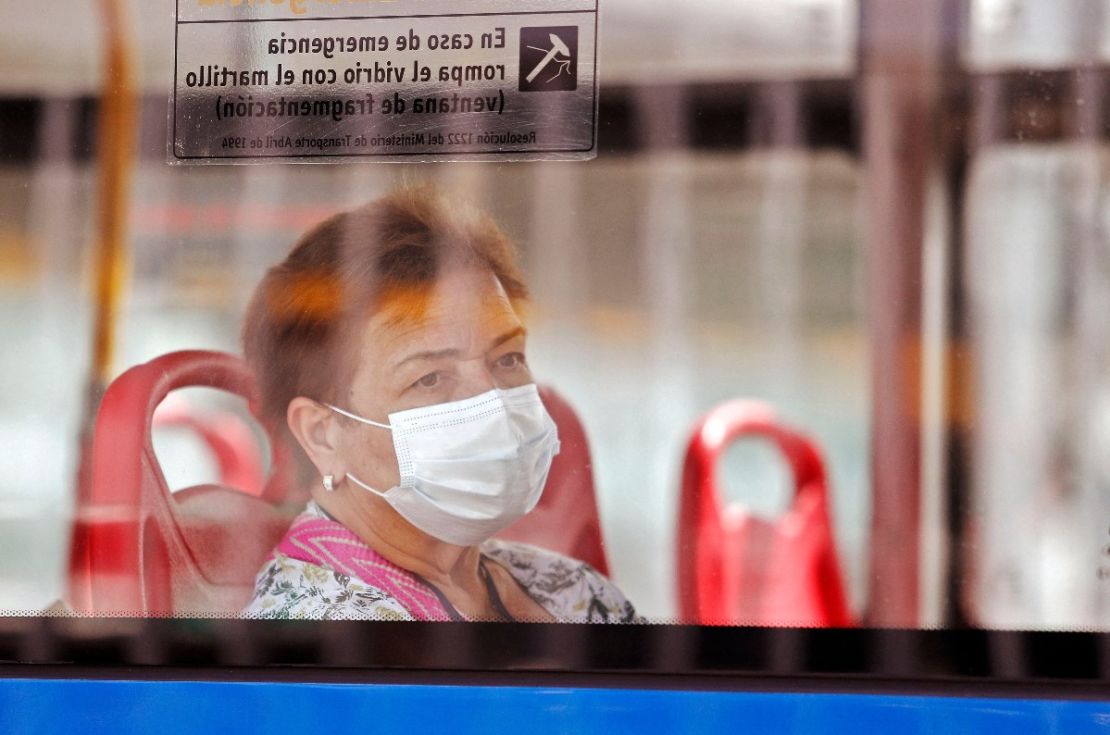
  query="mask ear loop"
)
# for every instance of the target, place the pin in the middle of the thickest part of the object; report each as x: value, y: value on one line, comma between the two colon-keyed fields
x: 367, y: 421
x: 358, y: 418
x: 364, y: 486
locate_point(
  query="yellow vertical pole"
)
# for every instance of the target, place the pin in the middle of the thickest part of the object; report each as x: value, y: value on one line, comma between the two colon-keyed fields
x: 116, y: 129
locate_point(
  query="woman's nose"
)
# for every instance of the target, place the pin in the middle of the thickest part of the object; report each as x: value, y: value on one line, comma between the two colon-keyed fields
x: 475, y: 378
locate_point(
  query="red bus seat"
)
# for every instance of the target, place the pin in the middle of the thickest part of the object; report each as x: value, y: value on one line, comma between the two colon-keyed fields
x: 139, y: 549
x: 735, y: 568
x: 229, y: 441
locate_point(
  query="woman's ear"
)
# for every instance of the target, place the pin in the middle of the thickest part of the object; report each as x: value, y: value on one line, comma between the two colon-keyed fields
x: 314, y: 427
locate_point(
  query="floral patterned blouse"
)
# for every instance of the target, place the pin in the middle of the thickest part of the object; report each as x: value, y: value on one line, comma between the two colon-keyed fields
x: 289, y: 587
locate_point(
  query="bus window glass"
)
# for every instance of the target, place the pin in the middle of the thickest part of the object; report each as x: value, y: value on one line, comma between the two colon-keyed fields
x: 818, y: 331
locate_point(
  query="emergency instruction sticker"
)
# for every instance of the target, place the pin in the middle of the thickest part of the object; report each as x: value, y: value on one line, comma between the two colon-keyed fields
x: 406, y: 80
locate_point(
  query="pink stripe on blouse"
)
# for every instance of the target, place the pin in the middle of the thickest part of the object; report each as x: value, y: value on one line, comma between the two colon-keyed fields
x: 326, y: 543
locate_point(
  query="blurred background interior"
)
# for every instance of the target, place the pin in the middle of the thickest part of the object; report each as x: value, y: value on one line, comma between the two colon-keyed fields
x: 887, y: 219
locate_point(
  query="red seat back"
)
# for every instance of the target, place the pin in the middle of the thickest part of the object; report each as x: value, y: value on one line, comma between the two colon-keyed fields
x: 140, y: 550
x: 229, y: 441
x: 137, y: 549
x: 735, y: 568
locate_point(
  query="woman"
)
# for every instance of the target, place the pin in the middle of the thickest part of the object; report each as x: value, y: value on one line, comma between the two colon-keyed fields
x: 389, y: 344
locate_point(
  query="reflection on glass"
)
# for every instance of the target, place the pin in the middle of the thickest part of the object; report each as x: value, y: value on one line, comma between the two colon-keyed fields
x: 1039, y: 289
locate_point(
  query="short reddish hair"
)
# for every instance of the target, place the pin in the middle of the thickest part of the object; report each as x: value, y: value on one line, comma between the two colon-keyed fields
x: 306, y: 311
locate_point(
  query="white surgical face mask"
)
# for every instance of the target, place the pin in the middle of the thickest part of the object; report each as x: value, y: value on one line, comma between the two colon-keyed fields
x: 469, y: 468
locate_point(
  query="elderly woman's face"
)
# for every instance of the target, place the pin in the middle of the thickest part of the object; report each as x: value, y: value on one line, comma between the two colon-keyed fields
x: 464, y: 339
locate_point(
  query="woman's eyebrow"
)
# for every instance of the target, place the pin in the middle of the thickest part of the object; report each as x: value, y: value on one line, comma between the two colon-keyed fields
x: 428, y: 355
x: 511, y: 334
x: 454, y: 352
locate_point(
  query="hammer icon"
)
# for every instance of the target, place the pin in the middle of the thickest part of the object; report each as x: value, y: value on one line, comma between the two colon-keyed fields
x: 558, y: 48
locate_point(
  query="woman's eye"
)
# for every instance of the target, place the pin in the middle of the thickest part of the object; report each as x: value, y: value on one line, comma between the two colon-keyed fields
x: 511, y: 360
x: 431, y: 380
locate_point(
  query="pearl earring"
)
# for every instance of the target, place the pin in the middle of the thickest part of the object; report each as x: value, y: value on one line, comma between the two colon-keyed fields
x: 329, y: 483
